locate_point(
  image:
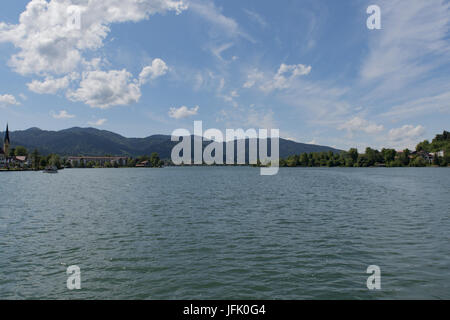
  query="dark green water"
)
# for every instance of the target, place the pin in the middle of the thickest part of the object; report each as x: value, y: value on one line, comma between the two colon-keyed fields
x: 225, y: 233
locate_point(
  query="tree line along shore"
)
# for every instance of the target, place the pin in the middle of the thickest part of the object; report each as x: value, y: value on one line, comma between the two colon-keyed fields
x: 435, y: 153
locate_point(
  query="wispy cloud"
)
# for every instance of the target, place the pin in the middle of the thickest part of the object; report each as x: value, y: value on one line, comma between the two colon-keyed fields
x: 413, y: 41
x: 432, y: 104
x: 212, y: 14
x: 257, y: 18
x: 283, y: 79
x: 97, y: 123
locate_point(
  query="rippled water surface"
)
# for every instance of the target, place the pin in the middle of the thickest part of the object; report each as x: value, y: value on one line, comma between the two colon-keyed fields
x: 225, y: 233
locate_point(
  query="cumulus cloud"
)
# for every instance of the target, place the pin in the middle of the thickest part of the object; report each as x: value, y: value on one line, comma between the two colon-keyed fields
x: 8, y: 100
x: 48, y: 43
x: 49, y: 85
x: 405, y: 137
x: 359, y: 124
x: 101, y: 89
x: 406, y: 132
x: 281, y: 80
x: 105, y: 89
x: 97, y: 123
x: 157, y: 69
x: 53, y: 36
x: 183, y: 112
x: 63, y: 114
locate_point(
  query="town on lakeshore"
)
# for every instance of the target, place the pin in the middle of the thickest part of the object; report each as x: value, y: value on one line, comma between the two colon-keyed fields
x: 436, y: 153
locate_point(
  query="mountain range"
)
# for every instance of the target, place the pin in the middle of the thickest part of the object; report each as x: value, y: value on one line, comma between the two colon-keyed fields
x: 94, y: 142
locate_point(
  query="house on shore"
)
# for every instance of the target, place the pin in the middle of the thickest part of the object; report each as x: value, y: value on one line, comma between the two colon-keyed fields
x: 440, y: 154
x: 21, y: 161
x: 427, y: 157
x: 143, y: 164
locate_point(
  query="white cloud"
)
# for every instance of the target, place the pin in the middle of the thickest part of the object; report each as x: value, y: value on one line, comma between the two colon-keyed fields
x: 63, y: 114
x: 47, y: 43
x: 283, y: 79
x: 157, y: 69
x: 101, y: 89
x: 422, y: 106
x: 253, y: 77
x: 97, y: 123
x: 360, y: 124
x: 218, y: 50
x: 212, y: 14
x: 405, y: 137
x: 256, y: 18
x: 8, y: 100
x: 406, y: 132
x: 49, y: 85
x: 183, y: 112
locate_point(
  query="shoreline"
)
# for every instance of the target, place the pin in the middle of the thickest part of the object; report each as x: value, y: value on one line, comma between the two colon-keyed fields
x: 303, y: 167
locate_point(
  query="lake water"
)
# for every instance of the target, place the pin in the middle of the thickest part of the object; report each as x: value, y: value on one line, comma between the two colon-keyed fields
x: 225, y: 233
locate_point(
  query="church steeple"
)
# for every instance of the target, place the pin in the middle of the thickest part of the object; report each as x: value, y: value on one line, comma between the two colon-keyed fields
x: 6, y: 142
x: 7, y: 134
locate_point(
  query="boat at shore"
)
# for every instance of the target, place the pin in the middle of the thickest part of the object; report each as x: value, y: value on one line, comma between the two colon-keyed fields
x: 51, y: 169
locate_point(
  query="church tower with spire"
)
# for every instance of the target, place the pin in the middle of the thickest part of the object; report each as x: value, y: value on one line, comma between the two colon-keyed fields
x: 6, y: 142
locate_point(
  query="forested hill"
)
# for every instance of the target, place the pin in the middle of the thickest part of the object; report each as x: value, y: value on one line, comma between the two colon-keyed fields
x: 94, y: 142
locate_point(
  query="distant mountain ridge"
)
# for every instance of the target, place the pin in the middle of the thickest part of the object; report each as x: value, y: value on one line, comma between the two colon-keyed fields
x: 94, y: 142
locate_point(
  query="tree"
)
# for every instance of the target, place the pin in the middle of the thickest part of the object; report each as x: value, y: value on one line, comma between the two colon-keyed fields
x: 20, y: 151
x: 353, y: 154
x: 372, y: 156
x: 54, y: 160
x: 363, y: 161
x: 154, y: 160
x: 423, y: 146
x: 43, y: 162
x: 388, y: 155
x: 304, y: 160
x: 36, y: 158
x: 404, y: 157
x: 418, y: 162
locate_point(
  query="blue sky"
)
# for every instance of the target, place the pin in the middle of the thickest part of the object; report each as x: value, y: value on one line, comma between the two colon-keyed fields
x: 311, y: 68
